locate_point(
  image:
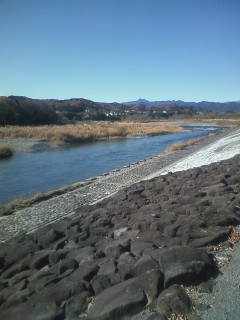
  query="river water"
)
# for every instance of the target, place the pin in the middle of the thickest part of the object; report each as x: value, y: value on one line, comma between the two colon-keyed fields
x: 25, y: 174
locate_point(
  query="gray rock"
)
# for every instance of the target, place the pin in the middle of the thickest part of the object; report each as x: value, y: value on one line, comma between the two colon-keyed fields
x: 115, y: 249
x: 173, y: 300
x: 49, y: 237
x: 67, y: 264
x: 119, y: 301
x: 185, y: 265
x: 138, y: 247
x: 146, y: 263
x: 19, y: 277
x: 100, y: 283
x: 76, y: 305
x: 36, y: 307
x: 39, y: 259
x: 107, y: 267
x: 152, y: 284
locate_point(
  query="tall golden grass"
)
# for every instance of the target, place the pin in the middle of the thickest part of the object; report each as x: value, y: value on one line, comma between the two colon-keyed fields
x: 85, y: 131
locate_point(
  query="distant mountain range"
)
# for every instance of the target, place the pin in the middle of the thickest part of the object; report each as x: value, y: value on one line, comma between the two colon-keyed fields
x: 232, y: 106
x: 18, y: 110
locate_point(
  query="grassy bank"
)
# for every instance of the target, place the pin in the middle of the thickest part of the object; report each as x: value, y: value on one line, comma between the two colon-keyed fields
x: 183, y: 145
x: 5, y: 151
x: 86, y: 131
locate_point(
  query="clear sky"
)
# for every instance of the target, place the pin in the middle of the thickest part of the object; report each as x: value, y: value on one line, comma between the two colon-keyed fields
x: 120, y: 50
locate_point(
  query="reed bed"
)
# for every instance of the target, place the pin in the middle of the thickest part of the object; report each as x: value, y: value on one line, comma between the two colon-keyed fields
x: 87, y: 131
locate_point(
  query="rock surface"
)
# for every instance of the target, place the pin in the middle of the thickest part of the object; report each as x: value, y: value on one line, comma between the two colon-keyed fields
x: 125, y: 253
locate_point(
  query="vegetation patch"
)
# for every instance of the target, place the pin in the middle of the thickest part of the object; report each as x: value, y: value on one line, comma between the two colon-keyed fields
x: 183, y: 145
x: 5, y: 151
x: 86, y: 131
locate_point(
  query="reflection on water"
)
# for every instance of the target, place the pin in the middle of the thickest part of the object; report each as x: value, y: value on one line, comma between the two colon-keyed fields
x: 28, y: 173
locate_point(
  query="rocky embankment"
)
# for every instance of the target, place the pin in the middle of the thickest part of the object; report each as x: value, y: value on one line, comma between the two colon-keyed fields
x: 128, y: 253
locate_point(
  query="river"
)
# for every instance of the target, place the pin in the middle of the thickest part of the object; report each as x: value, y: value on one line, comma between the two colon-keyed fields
x: 25, y: 174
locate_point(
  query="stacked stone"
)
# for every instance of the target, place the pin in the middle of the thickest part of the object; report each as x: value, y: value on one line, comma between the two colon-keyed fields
x: 129, y: 252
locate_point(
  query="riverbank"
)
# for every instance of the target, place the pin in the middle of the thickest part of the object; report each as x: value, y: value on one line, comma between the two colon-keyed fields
x: 131, y: 251
x: 81, y: 132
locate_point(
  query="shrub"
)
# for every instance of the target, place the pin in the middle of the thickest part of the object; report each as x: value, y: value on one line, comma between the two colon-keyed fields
x: 5, y: 151
x: 175, y: 147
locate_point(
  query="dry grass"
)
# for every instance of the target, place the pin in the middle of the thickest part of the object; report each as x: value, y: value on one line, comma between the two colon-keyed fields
x: 85, y: 131
x: 182, y: 145
x: 230, y: 121
x: 5, y: 151
x: 175, y: 147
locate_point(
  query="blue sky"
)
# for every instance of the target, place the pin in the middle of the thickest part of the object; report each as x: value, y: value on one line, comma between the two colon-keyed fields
x: 121, y: 50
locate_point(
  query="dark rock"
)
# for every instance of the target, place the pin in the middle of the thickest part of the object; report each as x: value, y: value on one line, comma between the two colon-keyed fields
x: 67, y: 264
x: 115, y: 249
x: 185, y: 265
x: 173, y: 300
x: 203, y: 238
x: 55, y: 256
x: 13, y: 251
x: 152, y: 283
x: 39, y: 259
x: 80, y: 254
x: 8, y: 292
x: 36, y: 307
x: 19, y: 277
x: 100, y: 283
x: 16, y: 298
x: 60, y: 244
x: 14, y: 270
x: 119, y: 301
x: 107, y: 267
x: 76, y: 305
x: 39, y: 281
x: 63, y: 290
x: 125, y: 265
x: 85, y: 272
x: 145, y: 264
x: 49, y: 237
x: 138, y: 247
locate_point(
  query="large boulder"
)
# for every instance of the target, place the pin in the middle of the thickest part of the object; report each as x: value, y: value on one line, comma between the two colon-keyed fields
x: 185, y: 265
x: 119, y: 301
x: 173, y: 300
x: 36, y: 307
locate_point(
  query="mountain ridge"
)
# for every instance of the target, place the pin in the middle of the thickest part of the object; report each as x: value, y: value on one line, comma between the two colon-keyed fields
x: 230, y: 106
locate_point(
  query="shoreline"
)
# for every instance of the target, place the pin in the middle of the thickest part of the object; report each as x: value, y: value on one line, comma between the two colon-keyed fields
x: 164, y: 160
